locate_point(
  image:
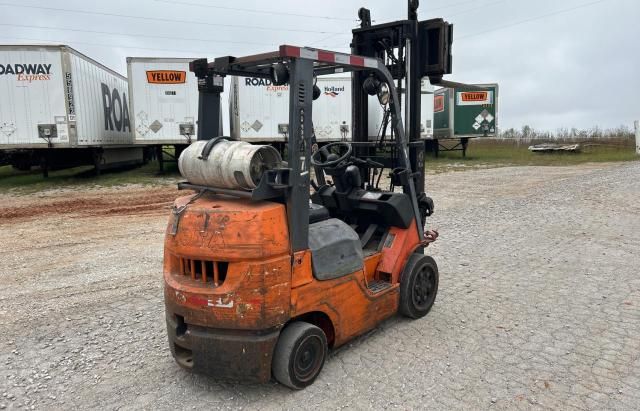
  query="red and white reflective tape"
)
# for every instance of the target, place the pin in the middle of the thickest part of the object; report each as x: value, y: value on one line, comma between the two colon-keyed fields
x: 328, y: 56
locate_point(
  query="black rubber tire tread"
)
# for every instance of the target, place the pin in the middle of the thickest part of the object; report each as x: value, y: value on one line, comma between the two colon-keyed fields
x: 290, y: 337
x: 411, y: 268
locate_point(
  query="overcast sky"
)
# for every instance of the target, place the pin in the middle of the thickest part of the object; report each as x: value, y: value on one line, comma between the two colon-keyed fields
x: 559, y: 63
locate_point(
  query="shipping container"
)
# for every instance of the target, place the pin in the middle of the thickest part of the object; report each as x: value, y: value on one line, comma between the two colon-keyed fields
x: 259, y: 110
x: 466, y: 112
x: 53, y: 96
x: 164, y: 100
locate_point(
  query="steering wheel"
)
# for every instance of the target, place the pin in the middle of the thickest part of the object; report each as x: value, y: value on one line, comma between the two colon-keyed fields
x: 325, y: 158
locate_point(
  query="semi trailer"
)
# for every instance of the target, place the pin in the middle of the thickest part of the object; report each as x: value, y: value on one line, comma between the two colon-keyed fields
x: 462, y: 113
x: 60, y: 108
x: 259, y: 111
x: 164, y: 104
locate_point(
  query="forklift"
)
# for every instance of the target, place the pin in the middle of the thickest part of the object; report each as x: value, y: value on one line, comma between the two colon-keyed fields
x: 260, y: 283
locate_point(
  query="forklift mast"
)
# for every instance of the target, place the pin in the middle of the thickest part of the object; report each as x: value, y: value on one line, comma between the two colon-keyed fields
x: 210, y: 86
x: 403, y: 51
x: 411, y: 50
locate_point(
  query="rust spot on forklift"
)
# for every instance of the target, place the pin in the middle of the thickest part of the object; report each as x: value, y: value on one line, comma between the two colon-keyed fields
x: 243, y: 308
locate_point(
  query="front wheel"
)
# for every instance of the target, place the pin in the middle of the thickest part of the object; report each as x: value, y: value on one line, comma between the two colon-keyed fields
x: 299, y: 355
x: 418, y: 286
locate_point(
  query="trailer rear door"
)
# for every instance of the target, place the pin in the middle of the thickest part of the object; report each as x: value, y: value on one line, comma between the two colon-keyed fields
x: 32, y: 90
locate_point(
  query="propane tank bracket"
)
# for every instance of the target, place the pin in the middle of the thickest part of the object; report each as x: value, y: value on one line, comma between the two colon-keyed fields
x: 206, y: 150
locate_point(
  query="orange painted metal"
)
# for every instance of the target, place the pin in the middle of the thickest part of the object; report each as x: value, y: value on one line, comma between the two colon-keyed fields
x: 223, y: 229
x: 371, y: 266
x: 301, y: 269
x: 352, y: 309
x: 249, y: 236
x: 399, y: 244
x: 265, y: 286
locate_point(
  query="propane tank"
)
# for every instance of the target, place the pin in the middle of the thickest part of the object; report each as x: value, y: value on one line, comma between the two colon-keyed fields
x: 230, y: 164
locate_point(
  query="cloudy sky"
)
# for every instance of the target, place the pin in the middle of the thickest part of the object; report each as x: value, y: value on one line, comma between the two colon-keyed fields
x: 559, y: 63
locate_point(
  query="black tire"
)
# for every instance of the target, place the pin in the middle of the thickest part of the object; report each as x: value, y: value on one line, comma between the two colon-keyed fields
x: 299, y: 355
x: 418, y: 286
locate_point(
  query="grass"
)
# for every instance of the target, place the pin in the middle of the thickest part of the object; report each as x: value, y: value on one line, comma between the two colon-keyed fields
x: 481, y: 153
x: 32, y: 181
x: 501, y: 153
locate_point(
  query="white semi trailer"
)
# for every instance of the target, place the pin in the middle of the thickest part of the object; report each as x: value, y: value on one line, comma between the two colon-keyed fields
x: 59, y: 108
x: 164, y: 104
x: 164, y: 100
x: 259, y: 111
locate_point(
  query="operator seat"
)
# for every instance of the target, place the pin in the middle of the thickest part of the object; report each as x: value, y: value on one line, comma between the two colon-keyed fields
x: 336, y: 250
x: 318, y: 213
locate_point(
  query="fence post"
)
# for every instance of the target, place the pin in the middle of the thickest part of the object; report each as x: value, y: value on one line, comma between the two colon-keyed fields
x: 637, y: 127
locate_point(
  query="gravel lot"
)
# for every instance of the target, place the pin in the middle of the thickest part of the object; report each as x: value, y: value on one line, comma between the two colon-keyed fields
x: 539, y: 303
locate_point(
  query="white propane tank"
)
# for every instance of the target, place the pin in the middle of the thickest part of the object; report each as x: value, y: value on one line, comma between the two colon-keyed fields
x: 230, y: 164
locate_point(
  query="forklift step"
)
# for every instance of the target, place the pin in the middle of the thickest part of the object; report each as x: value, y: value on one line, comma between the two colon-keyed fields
x: 376, y: 286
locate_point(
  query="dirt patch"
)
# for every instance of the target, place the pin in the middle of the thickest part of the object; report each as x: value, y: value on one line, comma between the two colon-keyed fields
x: 94, y: 202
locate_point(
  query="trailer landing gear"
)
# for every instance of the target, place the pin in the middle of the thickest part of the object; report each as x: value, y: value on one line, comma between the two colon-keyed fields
x: 436, y: 146
x: 173, y: 157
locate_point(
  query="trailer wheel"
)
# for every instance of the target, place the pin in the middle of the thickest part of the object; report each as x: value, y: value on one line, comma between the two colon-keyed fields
x: 299, y: 355
x: 418, y: 286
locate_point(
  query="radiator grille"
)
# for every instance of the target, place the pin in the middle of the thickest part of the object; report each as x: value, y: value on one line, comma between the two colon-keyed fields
x: 207, y: 272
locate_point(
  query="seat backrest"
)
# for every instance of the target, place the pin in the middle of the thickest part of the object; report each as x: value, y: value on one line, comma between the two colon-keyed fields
x: 318, y: 213
x: 335, y: 249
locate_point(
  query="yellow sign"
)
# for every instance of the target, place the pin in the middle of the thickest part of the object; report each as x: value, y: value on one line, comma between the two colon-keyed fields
x: 438, y: 104
x: 475, y: 96
x: 166, y: 77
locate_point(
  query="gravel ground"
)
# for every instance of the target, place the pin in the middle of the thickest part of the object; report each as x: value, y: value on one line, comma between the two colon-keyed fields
x: 538, y: 305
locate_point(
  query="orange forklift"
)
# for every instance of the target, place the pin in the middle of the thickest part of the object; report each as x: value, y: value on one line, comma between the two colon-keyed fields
x: 260, y: 281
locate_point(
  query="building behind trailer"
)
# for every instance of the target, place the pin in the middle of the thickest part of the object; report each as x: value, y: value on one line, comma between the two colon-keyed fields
x: 62, y: 108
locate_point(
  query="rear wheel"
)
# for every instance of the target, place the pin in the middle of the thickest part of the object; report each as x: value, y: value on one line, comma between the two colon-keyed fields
x: 418, y: 286
x: 299, y: 355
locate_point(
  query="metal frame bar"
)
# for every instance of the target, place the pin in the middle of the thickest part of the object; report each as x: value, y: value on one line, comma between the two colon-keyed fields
x: 300, y: 130
x: 303, y: 63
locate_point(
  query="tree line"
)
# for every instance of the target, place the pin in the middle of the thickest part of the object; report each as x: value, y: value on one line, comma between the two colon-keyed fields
x: 528, y: 133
